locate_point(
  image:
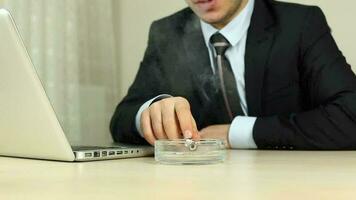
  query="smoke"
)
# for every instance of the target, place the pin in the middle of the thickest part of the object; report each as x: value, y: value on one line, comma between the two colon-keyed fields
x: 209, y: 85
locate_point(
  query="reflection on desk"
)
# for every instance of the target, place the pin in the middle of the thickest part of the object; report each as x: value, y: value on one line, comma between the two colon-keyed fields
x: 244, y: 175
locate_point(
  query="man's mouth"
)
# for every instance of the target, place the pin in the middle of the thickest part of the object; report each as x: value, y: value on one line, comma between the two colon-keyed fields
x: 202, y: 1
x: 205, y: 4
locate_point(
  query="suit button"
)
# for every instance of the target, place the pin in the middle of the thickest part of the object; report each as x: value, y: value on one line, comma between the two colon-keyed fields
x: 291, y: 148
x: 284, y: 147
x: 276, y: 147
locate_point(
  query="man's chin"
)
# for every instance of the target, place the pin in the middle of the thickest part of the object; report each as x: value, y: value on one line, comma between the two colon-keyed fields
x: 211, y: 19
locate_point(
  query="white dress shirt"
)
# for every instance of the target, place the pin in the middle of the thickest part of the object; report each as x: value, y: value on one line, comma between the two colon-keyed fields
x: 241, y: 129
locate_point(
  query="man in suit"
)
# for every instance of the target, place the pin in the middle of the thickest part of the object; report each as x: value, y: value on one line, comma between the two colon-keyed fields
x: 256, y: 73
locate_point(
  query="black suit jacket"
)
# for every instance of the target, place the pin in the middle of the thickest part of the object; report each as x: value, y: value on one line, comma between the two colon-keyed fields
x: 298, y: 83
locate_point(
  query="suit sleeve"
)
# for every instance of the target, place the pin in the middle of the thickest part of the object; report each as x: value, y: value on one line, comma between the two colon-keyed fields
x: 330, y: 85
x: 147, y: 84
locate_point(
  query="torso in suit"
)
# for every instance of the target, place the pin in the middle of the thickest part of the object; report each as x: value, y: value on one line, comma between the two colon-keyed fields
x: 297, y: 82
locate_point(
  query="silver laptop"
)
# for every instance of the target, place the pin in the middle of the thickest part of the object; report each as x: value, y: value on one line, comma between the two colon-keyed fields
x: 29, y: 127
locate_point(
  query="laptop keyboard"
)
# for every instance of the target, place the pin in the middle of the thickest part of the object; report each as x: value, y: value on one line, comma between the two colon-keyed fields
x: 88, y: 148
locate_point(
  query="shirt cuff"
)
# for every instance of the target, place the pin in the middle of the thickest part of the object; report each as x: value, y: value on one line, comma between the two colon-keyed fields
x: 241, y: 133
x: 144, y: 107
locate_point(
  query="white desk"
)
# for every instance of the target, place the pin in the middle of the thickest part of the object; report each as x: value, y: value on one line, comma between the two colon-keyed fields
x: 245, y: 175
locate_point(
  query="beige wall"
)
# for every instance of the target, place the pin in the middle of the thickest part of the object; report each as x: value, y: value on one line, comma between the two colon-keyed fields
x: 134, y: 19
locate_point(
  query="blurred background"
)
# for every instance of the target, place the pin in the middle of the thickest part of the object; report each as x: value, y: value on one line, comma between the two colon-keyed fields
x: 87, y: 52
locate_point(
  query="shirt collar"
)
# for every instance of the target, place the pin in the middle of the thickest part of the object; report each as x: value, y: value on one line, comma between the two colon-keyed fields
x: 234, y: 30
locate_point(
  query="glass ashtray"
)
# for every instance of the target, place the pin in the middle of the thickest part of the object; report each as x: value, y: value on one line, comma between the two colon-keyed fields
x: 187, y: 151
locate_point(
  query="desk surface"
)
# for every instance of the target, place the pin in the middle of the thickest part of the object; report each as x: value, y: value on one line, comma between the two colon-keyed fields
x: 244, y: 175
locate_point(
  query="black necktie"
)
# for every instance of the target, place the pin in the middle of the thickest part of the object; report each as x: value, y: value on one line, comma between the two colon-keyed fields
x: 226, y: 76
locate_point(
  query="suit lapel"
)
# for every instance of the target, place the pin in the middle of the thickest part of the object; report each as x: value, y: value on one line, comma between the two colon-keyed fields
x: 259, y: 42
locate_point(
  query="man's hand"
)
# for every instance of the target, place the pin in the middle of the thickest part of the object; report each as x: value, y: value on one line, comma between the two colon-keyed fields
x: 216, y: 132
x: 168, y: 118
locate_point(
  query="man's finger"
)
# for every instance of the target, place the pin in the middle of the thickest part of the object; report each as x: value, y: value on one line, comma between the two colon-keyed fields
x: 170, y: 124
x: 146, y: 127
x: 156, y: 121
x: 196, y: 134
x: 184, y: 116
